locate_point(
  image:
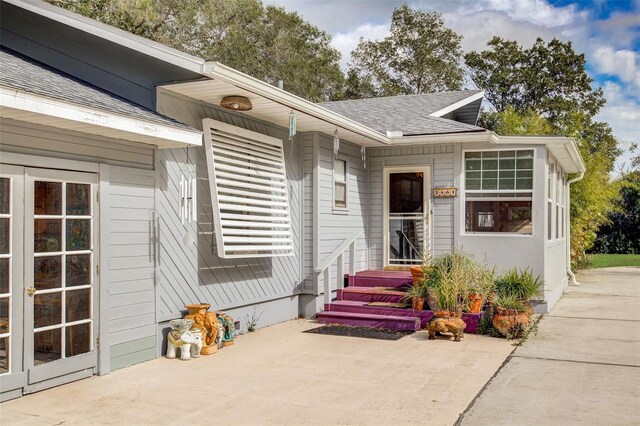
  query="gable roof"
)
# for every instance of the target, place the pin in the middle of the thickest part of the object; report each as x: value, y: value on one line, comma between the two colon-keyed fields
x: 409, y: 114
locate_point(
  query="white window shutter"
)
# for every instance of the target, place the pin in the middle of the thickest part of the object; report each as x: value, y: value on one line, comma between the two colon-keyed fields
x: 249, y: 194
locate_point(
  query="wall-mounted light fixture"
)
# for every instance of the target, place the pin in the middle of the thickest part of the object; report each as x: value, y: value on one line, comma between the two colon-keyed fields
x: 236, y: 103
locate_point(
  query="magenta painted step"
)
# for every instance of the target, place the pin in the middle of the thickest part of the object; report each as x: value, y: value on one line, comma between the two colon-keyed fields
x: 472, y: 321
x: 381, y: 279
x: 369, y: 320
x: 362, y: 308
x: 368, y: 294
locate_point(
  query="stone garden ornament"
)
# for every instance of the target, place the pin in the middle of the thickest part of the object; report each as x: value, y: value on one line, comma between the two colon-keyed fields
x: 181, y: 338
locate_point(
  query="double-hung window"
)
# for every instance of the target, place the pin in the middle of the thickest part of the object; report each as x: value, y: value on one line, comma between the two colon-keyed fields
x: 340, y: 183
x: 498, y: 191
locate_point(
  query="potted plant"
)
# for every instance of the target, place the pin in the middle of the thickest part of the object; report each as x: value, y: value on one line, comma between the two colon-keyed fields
x: 451, y: 279
x: 481, y: 286
x: 416, y: 293
x: 418, y: 273
x: 515, y: 288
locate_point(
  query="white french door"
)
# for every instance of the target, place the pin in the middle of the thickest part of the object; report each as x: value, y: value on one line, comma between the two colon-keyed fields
x: 52, y: 274
x: 406, y: 215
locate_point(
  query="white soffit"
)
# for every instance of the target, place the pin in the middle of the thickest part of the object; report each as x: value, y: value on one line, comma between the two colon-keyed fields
x: 277, y: 112
x: 458, y: 105
x: 249, y: 194
x: 23, y: 106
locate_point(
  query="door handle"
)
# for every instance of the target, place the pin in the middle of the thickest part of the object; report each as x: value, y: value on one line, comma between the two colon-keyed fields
x: 31, y: 291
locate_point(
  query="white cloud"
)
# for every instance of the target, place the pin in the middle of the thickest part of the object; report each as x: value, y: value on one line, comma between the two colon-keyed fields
x: 623, y: 64
x: 346, y: 42
x: 537, y: 12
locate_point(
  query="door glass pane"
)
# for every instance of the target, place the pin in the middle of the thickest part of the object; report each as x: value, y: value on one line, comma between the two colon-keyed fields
x: 78, y: 304
x: 406, y: 192
x: 4, y: 355
x: 5, y: 196
x: 78, y: 270
x: 47, y: 235
x: 4, y: 315
x: 5, y: 240
x: 406, y: 238
x: 47, y: 272
x: 78, y: 199
x: 4, y: 276
x: 78, y: 234
x: 47, y: 197
x: 47, y: 346
x: 78, y: 339
x: 47, y: 309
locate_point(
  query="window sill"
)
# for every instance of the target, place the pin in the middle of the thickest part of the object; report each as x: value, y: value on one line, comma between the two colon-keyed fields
x: 340, y: 210
x: 496, y: 234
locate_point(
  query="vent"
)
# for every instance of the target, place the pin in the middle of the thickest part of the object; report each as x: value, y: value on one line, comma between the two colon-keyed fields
x: 249, y: 193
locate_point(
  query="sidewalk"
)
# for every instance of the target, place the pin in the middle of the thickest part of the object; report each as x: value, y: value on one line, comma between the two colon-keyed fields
x: 583, y: 366
x: 282, y: 376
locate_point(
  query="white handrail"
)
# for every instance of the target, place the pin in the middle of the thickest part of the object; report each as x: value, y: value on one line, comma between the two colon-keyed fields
x: 338, y: 254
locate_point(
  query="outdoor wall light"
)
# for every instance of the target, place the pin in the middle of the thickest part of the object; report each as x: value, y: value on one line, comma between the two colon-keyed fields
x: 236, y: 103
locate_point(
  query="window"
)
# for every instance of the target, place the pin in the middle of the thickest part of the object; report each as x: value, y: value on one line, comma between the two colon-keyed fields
x: 498, y: 191
x: 564, y: 202
x: 550, y: 196
x: 340, y: 178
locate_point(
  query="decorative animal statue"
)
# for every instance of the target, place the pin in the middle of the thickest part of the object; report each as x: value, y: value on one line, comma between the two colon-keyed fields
x: 210, y: 328
x: 228, y: 328
x: 453, y: 324
x: 189, y: 343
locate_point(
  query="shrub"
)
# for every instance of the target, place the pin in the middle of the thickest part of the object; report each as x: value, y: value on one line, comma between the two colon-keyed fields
x: 519, y: 283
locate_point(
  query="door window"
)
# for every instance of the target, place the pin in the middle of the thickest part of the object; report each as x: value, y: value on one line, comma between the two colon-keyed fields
x: 5, y: 274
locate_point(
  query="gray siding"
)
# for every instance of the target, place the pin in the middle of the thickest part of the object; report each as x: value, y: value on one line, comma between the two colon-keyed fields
x: 441, y: 160
x: 307, y: 194
x: 131, y: 276
x: 335, y: 226
x: 192, y: 274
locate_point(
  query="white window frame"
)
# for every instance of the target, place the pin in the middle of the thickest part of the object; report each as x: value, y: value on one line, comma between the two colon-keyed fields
x: 564, y: 206
x: 551, y: 194
x: 463, y: 197
x: 336, y: 209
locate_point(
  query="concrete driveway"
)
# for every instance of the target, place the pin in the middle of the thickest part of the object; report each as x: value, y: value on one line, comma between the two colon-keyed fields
x: 279, y: 375
x: 583, y: 366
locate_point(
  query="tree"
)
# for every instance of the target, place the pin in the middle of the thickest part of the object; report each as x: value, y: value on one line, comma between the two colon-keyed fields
x: 549, y: 79
x: 420, y: 55
x: 267, y: 43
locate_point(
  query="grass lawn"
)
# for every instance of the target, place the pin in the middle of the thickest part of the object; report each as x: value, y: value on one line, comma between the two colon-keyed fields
x: 610, y: 260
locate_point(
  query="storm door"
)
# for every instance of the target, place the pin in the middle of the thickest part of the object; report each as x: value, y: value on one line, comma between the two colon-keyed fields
x: 60, y: 277
x: 406, y: 213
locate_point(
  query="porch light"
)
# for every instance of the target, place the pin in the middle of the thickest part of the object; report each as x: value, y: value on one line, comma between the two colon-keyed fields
x: 236, y: 103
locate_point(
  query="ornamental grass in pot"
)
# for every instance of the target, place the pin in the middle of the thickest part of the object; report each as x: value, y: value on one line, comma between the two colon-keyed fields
x: 416, y: 294
x: 515, y: 288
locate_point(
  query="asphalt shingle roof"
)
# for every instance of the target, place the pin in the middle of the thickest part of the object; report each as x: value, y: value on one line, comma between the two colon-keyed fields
x: 21, y: 73
x: 407, y: 113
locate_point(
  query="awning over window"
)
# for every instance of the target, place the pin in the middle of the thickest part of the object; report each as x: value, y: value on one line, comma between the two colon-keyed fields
x: 249, y: 193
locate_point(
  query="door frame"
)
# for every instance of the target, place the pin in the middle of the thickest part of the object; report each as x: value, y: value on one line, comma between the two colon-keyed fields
x: 387, y: 170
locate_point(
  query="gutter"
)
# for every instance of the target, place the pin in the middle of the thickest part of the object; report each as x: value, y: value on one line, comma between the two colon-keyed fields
x: 574, y: 281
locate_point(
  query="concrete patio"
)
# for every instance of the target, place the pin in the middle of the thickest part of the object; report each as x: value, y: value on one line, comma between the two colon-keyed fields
x: 279, y: 375
x: 583, y: 366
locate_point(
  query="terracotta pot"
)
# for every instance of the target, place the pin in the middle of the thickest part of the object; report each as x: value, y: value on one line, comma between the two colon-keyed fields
x: 418, y: 303
x: 416, y: 274
x: 443, y: 314
x: 475, y: 303
x: 198, y: 308
x: 505, y: 320
x: 432, y: 299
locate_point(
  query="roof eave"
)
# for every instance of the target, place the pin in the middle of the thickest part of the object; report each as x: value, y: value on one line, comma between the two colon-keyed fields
x: 457, y: 105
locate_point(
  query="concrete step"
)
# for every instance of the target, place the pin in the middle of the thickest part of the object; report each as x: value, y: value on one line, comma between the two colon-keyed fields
x: 370, y: 320
x: 363, y: 308
x: 371, y: 294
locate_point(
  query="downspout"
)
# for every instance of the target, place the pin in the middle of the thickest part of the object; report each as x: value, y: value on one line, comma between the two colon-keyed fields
x: 574, y: 281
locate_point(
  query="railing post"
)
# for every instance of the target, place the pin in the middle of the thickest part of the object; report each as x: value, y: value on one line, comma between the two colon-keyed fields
x: 352, y: 260
x: 340, y: 272
x: 327, y: 286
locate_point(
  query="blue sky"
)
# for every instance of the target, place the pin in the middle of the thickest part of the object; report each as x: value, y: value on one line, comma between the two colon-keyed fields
x: 607, y: 32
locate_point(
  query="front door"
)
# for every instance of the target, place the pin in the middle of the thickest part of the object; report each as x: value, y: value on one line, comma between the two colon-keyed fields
x: 406, y: 215
x: 54, y: 275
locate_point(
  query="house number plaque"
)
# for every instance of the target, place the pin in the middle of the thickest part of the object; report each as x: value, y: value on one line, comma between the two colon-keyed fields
x: 444, y: 192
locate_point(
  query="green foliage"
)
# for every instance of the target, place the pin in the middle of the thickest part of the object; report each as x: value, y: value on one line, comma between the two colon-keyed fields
x: 418, y: 290
x: 547, y: 78
x: 485, y: 325
x: 267, y: 43
x: 420, y: 55
x: 511, y: 302
x: 519, y: 284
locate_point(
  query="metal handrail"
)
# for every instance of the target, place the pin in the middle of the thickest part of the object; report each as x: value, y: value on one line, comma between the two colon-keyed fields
x: 338, y: 255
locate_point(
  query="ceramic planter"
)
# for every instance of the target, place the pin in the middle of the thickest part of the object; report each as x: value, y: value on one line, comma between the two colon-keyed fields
x: 417, y: 303
x: 505, y: 320
x: 475, y: 303
x: 416, y: 274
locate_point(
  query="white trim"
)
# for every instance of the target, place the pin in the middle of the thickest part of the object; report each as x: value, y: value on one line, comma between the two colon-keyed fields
x: 13, y: 104
x: 458, y: 105
x: 426, y: 213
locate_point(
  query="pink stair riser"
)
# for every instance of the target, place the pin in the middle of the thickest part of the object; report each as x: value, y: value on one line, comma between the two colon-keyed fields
x: 472, y: 321
x: 367, y: 320
x: 381, y: 279
x: 365, y: 294
x: 362, y: 308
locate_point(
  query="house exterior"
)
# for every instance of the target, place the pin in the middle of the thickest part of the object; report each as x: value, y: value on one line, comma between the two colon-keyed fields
x: 127, y: 191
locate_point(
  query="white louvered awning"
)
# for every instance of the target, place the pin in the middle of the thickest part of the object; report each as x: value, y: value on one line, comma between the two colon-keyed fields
x: 249, y: 194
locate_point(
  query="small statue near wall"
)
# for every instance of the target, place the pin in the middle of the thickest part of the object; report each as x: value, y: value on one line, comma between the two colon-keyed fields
x: 188, y: 342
